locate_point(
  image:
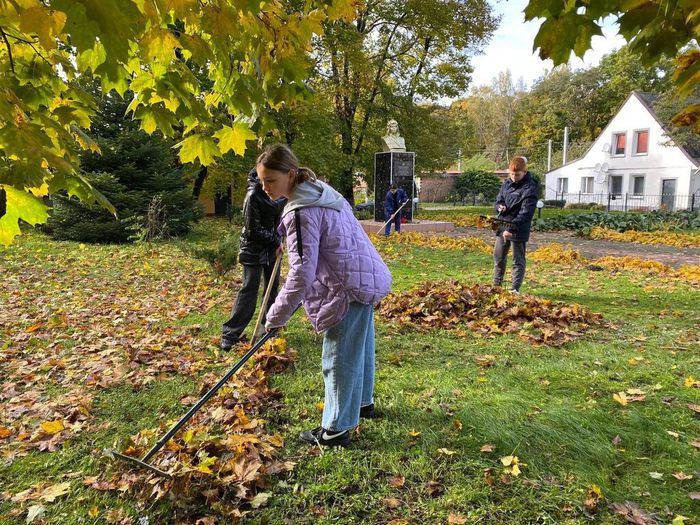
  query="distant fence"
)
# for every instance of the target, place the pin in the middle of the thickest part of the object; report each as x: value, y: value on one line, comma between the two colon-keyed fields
x: 633, y: 202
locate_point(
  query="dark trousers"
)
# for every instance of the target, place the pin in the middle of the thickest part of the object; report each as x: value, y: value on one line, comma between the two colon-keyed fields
x: 396, y: 221
x: 500, y: 256
x: 244, y: 306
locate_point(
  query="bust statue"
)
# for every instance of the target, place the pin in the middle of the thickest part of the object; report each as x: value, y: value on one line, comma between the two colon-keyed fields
x: 393, y: 141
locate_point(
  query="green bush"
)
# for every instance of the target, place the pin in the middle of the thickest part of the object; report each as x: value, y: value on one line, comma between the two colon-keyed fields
x: 652, y: 221
x: 223, y: 257
x: 552, y: 203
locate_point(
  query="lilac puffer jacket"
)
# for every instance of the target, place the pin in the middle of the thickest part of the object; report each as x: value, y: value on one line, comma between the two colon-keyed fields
x: 340, y: 265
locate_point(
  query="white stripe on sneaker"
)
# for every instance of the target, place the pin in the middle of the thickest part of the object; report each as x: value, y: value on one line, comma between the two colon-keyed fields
x: 326, y: 436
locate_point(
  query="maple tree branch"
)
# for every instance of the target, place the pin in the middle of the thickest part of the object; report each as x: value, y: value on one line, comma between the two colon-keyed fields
x: 9, y: 48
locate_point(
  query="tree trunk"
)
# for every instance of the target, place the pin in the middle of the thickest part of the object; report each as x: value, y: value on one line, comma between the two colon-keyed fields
x: 199, y: 181
x: 3, y: 202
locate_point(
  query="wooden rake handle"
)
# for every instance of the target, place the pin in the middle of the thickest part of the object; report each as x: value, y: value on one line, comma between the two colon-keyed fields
x: 258, y: 325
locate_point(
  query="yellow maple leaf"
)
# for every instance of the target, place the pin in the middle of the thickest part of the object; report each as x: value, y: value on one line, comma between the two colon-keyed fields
x: 515, y: 470
x: 621, y: 398
x: 93, y: 512
x: 53, y: 427
x: 54, y: 491
x: 507, y: 461
x: 691, y: 382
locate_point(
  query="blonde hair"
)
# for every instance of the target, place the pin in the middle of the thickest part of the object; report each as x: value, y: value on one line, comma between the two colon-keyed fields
x: 280, y: 157
x: 518, y: 164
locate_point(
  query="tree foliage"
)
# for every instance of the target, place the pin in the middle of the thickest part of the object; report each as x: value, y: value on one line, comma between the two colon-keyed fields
x: 252, y: 55
x: 653, y: 29
x: 391, y: 54
x: 138, y: 173
x: 475, y: 182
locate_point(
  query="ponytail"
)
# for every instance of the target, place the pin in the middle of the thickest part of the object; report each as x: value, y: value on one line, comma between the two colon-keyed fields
x: 304, y: 174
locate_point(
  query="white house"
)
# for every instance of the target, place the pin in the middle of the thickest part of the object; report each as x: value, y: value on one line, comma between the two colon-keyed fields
x: 631, y: 165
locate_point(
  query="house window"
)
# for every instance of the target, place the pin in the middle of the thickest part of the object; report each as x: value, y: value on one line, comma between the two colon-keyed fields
x: 562, y: 185
x: 641, y: 142
x: 587, y: 185
x: 616, y: 184
x: 637, y: 185
x: 619, y: 141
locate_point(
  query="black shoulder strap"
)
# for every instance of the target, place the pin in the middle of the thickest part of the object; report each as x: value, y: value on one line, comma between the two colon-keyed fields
x: 297, y: 223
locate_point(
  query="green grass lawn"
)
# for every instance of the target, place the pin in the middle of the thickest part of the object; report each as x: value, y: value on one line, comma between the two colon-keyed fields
x: 422, y: 462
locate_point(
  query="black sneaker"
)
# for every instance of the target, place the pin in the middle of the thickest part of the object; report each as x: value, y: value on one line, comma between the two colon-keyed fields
x: 326, y: 438
x: 226, y: 344
x: 368, y: 412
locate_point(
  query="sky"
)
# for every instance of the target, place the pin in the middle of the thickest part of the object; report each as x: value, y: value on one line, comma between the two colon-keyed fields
x: 510, y: 47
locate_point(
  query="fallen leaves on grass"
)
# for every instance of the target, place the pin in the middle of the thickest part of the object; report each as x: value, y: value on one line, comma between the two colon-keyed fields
x: 556, y: 253
x: 441, y: 242
x: 487, y: 311
x: 593, y: 497
x: 78, y: 322
x: 668, y: 238
x: 682, y: 476
x: 513, y: 465
x: 633, y: 513
x: 223, y: 455
x: 456, y: 519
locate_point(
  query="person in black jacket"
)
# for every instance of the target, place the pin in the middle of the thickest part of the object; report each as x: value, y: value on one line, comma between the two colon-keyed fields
x: 516, y: 203
x: 257, y: 252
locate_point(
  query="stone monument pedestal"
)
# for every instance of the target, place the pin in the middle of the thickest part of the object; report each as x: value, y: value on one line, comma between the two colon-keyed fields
x: 394, y: 167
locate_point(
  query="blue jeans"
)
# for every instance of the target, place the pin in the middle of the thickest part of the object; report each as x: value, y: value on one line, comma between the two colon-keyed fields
x: 396, y: 221
x: 348, y: 368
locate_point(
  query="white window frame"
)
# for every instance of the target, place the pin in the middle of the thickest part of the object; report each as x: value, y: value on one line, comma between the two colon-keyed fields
x: 562, y: 181
x: 635, y: 135
x: 583, y: 185
x: 613, y: 146
x: 633, y: 177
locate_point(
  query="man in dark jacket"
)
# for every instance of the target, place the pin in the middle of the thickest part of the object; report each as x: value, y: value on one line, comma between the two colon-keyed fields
x: 259, y: 242
x: 395, y: 197
x: 516, y: 203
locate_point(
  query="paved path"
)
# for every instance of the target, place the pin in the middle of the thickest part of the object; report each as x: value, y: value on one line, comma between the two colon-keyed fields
x: 592, y: 249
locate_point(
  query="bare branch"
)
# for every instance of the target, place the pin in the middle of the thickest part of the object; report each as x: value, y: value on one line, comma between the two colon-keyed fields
x: 9, y: 49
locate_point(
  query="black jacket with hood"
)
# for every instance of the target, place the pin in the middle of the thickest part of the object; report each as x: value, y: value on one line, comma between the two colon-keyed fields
x: 520, y: 200
x: 261, y: 216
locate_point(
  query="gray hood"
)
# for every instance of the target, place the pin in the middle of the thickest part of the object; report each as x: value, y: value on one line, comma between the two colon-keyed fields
x: 314, y: 193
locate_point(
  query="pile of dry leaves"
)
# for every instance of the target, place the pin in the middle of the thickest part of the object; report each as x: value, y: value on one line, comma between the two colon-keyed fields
x: 488, y: 311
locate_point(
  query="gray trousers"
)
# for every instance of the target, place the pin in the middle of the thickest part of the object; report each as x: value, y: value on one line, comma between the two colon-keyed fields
x: 500, y: 255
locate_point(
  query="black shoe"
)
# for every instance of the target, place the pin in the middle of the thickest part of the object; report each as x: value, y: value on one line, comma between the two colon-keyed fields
x: 326, y: 438
x: 226, y: 344
x: 368, y: 412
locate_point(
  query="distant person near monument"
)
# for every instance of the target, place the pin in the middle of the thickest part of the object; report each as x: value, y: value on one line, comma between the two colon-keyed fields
x: 393, y: 141
x: 395, y: 197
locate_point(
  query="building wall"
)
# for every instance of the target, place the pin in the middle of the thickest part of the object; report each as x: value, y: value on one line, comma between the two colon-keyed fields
x: 435, y: 187
x: 660, y: 163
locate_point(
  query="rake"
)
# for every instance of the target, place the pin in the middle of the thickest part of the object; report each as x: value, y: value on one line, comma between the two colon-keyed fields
x: 144, y: 462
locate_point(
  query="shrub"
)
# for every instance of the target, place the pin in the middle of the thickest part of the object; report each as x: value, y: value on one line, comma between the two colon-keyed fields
x: 656, y: 220
x: 223, y: 257
x: 552, y: 203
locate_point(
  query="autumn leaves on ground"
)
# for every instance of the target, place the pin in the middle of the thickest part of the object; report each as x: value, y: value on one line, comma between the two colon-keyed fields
x: 575, y: 403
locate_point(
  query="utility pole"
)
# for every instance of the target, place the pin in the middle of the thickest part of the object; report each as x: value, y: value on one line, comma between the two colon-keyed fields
x: 566, y: 143
x: 549, y: 155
